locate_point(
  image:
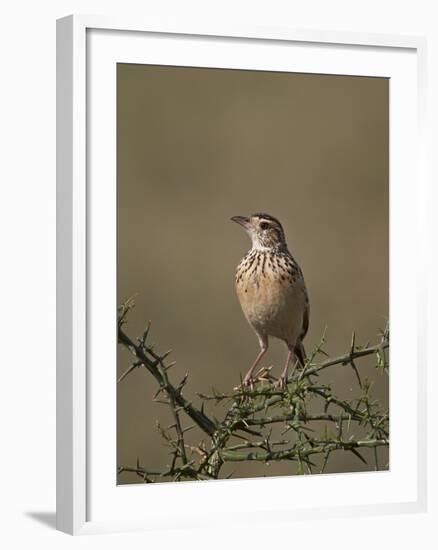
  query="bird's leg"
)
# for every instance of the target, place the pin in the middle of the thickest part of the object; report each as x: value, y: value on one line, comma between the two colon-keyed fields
x: 282, y: 381
x: 248, y: 381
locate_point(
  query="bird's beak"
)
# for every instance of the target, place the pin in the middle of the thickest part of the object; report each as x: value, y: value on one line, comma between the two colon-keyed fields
x: 241, y: 220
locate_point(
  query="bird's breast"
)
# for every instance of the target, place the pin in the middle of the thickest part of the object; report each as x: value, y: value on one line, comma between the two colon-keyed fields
x: 271, y: 292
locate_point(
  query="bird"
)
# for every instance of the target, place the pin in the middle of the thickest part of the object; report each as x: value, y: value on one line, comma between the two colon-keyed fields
x: 272, y: 292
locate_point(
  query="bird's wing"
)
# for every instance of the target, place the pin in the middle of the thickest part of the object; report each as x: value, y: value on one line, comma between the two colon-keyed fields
x: 306, y: 319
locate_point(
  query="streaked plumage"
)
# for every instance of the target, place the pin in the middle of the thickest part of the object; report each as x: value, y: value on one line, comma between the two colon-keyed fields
x: 271, y: 290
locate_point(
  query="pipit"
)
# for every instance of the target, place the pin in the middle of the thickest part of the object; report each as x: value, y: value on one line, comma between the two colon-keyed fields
x: 272, y: 292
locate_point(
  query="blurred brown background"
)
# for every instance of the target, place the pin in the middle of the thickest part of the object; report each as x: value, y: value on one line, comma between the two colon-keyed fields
x: 197, y: 146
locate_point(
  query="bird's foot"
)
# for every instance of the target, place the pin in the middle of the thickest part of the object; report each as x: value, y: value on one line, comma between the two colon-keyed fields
x: 281, y: 383
x: 249, y: 382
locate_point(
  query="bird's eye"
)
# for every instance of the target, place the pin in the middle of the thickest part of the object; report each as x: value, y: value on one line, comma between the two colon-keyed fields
x: 264, y: 225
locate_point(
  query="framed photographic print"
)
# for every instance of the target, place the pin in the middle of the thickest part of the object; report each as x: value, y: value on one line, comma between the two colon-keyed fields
x: 240, y: 280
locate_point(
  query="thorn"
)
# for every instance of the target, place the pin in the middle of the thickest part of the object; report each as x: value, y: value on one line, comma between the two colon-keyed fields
x: 166, y: 354
x: 157, y: 393
x: 359, y: 456
x: 161, y: 402
x: 353, y: 342
x: 128, y: 371
x: 188, y: 428
x: 183, y: 382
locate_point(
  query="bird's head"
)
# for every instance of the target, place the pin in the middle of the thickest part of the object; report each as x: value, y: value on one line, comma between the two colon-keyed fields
x: 265, y: 231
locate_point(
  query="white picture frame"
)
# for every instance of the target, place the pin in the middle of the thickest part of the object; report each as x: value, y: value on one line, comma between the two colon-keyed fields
x: 87, y: 49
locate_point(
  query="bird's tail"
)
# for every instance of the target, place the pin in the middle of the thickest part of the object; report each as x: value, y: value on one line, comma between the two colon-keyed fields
x: 300, y: 353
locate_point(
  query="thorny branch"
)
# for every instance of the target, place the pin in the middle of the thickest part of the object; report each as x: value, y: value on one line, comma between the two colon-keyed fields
x: 249, y: 422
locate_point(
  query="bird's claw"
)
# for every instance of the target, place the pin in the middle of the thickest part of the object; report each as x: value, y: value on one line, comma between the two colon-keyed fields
x: 249, y: 382
x: 281, y: 383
